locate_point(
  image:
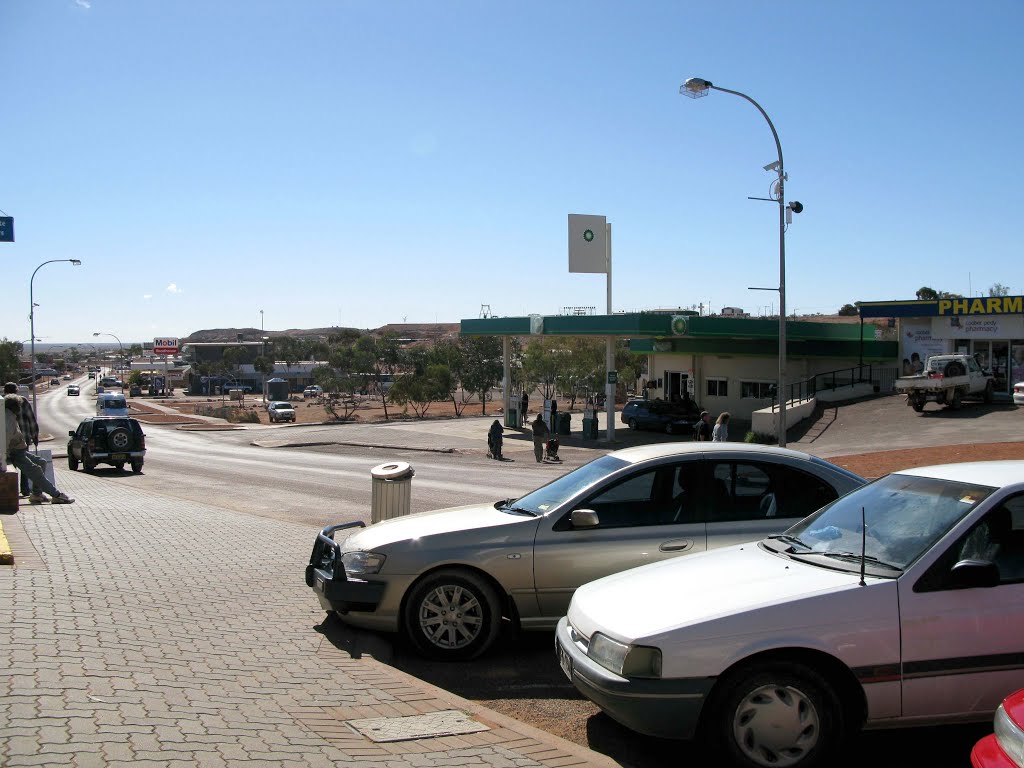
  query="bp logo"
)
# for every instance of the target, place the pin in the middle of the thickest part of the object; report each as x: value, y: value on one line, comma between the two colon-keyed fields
x: 588, y: 235
x: 679, y: 325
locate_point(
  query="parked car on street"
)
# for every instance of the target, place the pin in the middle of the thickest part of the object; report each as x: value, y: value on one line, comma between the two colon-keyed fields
x: 67, y: 377
x: 279, y: 410
x: 900, y: 603
x: 312, y: 391
x: 1018, y: 393
x: 54, y: 382
x: 671, y: 418
x: 1005, y: 747
x: 446, y: 578
x: 114, y: 440
x: 73, y: 390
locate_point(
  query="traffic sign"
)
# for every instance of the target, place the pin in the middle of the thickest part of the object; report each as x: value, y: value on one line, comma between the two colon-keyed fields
x: 613, y: 377
x: 6, y: 229
x: 165, y: 346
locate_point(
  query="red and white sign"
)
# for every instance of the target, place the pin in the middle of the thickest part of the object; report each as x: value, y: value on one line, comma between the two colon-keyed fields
x: 165, y: 346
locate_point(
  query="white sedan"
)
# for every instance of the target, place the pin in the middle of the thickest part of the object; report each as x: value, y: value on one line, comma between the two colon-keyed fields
x: 1018, y: 393
x: 902, y: 603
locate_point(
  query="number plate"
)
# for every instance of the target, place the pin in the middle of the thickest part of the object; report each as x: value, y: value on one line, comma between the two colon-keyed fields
x: 119, y: 457
x: 565, y: 662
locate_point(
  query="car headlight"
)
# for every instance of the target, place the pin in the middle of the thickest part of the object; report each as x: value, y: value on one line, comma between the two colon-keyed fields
x: 1010, y: 736
x: 362, y: 563
x: 625, y: 660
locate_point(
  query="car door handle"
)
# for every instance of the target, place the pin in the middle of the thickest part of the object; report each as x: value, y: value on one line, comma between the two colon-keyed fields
x: 676, y: 545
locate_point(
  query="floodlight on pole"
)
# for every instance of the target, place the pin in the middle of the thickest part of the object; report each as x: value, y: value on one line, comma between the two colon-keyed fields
x: 32, y: 322
x: 695, y: 88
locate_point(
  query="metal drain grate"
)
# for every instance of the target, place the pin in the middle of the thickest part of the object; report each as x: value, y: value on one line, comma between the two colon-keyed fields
x: 449, y: 722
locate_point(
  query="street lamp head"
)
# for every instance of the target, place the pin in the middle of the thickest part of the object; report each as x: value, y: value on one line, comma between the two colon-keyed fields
x: 796, y: 206
x: 695, y: 87
x: 76, y: 262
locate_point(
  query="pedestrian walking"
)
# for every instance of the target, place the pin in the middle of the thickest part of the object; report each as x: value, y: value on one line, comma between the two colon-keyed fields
x: 19, y: 457
x: 495, y: 435
x: 720, y: 434
x: 540, y: 433
x: 29, y: 428
x: 702, y: 430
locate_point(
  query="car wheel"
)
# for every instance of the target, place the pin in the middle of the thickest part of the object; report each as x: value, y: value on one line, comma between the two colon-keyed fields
x: 136, y: 467
x: 776, y: 715
x: 452, y: 615
x: 954, y: 368
x: 120, y: 439
x: 119, y: 466
x: 87, y: 463
x: 72, y: 462
x: 631, y: 424
x: 957, y: 401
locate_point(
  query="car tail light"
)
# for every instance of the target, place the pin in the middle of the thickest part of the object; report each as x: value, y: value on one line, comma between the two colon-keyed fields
x: 934, y: 375
x: 142, y: 442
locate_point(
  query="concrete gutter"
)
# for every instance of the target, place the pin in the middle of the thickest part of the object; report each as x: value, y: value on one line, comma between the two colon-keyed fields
x: 312, y: 443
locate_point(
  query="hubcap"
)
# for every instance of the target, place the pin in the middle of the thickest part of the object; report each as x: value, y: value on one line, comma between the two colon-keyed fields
x: 776, y: 726
x: 120, y: 441
x: 451, y: 617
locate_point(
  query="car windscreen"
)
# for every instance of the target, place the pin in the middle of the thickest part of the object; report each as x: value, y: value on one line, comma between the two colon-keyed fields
x: 114, y: 402
x: 555, y: 493
x: 905, y: 515
x: 283, y: 407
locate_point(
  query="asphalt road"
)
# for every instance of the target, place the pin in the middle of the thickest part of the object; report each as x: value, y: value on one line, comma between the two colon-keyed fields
x: 313, y: 487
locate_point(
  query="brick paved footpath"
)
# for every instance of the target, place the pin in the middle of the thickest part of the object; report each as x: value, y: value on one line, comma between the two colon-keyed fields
x: 143, y: 631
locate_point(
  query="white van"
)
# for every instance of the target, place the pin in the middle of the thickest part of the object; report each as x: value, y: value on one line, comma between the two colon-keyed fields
x: 111, y: 404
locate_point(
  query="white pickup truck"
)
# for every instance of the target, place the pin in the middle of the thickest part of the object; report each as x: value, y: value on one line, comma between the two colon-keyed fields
x: 946, y: 380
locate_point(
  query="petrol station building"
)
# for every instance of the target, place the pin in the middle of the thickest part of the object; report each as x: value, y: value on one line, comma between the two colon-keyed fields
x: 724, y: 363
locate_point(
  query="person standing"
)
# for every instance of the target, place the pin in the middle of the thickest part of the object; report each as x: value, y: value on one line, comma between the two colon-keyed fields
x: 703, y: 431
x: 495, y: 435
x: 524, y: 404
x: 29, y: 428
x: 720, y: 434
x: 540, y: 434
x: 19, y: 457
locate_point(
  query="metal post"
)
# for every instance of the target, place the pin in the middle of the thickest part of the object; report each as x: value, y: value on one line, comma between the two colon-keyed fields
x: 32, y: 323
x: 609, y: 388
x: 506, y: 374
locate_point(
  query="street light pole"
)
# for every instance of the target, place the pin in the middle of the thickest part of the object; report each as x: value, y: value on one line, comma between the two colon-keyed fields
x: 122, y: 356
x: 696, y: 87
x: 32, y: 322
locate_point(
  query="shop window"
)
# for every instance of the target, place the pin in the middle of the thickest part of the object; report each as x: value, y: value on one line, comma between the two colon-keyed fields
x: 757, y: 390
x: 717, y: 387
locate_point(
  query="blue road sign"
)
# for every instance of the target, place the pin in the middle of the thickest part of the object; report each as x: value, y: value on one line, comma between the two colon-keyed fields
x: 6, y: 229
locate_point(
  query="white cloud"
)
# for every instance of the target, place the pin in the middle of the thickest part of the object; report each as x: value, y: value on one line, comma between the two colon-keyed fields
x: 83, y: 4
x: 147, y: 296
x: 173, y: 288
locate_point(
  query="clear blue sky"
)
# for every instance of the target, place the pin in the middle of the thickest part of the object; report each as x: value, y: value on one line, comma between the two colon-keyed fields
x: 359, y: 163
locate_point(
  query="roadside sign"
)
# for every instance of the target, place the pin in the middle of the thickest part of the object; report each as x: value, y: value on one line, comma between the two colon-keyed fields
x: 588, y: 243
x: 165, y: 346
x: 613, y: 377
x: 6, y: 229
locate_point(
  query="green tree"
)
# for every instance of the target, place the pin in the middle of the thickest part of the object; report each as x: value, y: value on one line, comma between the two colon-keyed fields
x: 925, y: 293
x: 482, y: 367
x: 10, y: 359
x: 998, y: 289
x: 382, y: 355
x: 848, y: 310
x: 421, y: 389
x: 452, y: 355
x: 541, y: 364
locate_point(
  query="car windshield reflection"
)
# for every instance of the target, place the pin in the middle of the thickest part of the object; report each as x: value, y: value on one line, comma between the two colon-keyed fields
x: 905, y: 516
x: 557, y: 492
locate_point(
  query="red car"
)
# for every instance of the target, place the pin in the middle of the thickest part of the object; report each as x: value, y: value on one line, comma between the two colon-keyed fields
x: 1005, y: 747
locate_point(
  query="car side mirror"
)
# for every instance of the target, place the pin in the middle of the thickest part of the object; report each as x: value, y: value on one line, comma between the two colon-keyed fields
x: 584, y: 518
x: 71, y: 433
x: 974, y: 574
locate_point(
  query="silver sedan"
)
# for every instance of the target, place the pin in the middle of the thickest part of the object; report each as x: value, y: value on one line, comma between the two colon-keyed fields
x: 446, y: 578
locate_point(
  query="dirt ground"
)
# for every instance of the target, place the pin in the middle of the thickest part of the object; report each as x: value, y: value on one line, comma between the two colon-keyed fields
x: 883, y: 462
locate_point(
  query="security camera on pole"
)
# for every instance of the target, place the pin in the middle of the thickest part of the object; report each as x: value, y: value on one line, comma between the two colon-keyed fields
x: 590, y: 250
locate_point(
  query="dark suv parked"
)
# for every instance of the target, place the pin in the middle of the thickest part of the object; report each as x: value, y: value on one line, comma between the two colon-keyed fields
x: 114, y: 440
x: 672, y: 418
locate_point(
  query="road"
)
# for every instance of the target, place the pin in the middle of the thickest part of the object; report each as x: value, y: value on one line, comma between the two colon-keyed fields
x: 331, y: 485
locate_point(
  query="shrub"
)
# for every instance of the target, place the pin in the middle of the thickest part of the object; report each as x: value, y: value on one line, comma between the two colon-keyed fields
x: 762, y: 438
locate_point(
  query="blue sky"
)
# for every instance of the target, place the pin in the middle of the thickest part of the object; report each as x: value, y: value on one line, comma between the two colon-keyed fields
x: 359, y: 163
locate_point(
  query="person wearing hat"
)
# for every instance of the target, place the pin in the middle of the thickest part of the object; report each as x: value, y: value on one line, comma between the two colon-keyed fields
x: 19, y: 457
x: 29, y: 427
x: 702, y: 432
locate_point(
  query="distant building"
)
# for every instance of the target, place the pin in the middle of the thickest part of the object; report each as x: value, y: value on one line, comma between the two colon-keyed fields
x: 734, y: 312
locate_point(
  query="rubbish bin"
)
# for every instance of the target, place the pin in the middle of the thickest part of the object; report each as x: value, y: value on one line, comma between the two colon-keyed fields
x: 565, y: 423
x: 590, y: 429
x: 392, y: 490
x: 512, y: 418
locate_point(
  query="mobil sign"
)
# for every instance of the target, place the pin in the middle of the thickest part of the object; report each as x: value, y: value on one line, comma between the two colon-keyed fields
x: 165, y: 346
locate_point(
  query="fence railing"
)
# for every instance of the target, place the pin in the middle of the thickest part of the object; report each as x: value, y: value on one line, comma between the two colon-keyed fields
x: 801, y: 391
